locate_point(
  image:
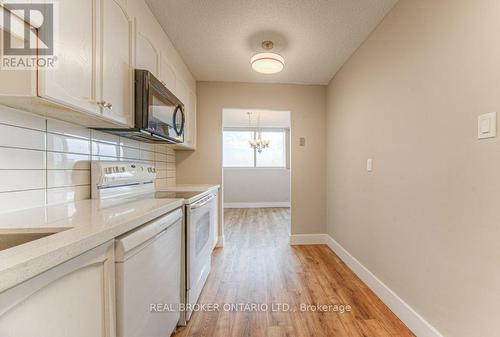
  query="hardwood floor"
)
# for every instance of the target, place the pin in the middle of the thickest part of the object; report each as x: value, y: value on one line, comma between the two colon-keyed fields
x: 258, y: 266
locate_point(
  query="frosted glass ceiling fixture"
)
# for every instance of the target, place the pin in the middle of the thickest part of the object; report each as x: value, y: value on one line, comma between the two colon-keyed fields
x: 267, y: 63
x: 257, y: 142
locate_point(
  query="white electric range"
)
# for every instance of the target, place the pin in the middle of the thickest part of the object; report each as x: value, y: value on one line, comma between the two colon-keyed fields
x: 118, y: 179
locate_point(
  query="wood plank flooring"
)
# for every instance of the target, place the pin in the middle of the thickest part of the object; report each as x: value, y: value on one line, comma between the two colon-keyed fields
x: 258, y: 266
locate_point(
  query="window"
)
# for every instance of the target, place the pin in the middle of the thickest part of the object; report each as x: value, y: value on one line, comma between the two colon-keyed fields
x: 238, y: 153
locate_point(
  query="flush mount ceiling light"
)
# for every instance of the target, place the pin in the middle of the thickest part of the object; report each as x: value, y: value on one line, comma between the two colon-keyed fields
x: 267, y: 63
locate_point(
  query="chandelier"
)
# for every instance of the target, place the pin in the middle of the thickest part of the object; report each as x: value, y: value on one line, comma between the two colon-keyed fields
x: 257, y: 142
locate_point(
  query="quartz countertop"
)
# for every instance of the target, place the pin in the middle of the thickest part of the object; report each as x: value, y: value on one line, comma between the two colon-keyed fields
x: 189, y: 188
x: 79, y: 226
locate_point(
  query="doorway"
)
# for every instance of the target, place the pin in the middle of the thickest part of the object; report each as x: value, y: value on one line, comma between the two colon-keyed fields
x: 256, y: 162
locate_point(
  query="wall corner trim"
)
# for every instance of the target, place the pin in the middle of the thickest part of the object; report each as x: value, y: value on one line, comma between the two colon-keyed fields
x: 416, y: 323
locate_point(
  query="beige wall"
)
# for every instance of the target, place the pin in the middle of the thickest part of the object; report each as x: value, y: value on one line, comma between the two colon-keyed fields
x: 307, y: 106
x: 245, y: 185
x: 427, y: 220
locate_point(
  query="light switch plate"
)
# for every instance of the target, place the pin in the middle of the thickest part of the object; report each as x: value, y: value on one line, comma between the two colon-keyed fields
x: 487, y: 125
x: 369, y: 165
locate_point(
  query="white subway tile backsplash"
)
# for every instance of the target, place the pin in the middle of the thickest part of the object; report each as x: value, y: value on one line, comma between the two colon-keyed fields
x: 21, y: 159
x: 60, y: 143
x: 67, y: 161
x: 21, y: 118
x: 161, y: 157
x: 13, y: 201
x: 67, y: 129
x: 161, y: 174
x: 67, y: 194
x: 130, y: 143
x: 161, y: 148
x: 160, y: 165
x: 19, y: 180
x: 67, y: 178
x: 14, y: 136
x: 102, y: 158
x: 103, y: 137
x: 105, y: 149
x: 147, y: 146
x: 147, y: 155
x: 130, y: 153
x: 164, y: 182
x: 46, y: 161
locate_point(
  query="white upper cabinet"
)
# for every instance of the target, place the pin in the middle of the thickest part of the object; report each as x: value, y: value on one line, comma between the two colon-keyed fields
x: 167, y: 74
x: 182, y: 92
x: 147, y: 55
x: 187, y: 97
x: 117, y: 63
x: 97, y: 48
x: 73, y: 81
x: 191, y: 122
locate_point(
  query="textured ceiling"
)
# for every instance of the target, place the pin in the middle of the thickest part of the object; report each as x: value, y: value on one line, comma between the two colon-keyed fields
x: 216, y: 38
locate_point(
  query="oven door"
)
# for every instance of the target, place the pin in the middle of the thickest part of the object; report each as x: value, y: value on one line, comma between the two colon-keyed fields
x: 200, y: 241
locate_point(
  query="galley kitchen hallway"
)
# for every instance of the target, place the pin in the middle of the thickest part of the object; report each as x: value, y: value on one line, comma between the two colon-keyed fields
x: 258, y: 266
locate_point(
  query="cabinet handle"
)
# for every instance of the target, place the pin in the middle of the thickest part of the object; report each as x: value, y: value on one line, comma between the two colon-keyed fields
x: 105, y: 104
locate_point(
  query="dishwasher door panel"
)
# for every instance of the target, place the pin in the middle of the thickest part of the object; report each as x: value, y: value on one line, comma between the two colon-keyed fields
x: 150, y: 276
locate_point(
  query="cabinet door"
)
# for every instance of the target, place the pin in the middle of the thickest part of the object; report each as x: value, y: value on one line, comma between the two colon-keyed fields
x: 73, y: 81
x: 167, y: 75
x: 73, y: 299
x: 189, y: 99
x: 146, y: 55
x: 117, y: 63
x: 191, y: 121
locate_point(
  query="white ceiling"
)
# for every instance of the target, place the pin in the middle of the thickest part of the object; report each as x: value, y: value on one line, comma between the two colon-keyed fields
x: 237, y: 118
x: 216, y: 38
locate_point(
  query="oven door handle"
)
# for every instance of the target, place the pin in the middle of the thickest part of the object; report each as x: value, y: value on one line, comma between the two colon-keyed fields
x: 203, y: 201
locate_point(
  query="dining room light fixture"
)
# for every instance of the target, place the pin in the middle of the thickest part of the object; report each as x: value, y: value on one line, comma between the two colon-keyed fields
x: 268, y: 62
x: 256, y: 142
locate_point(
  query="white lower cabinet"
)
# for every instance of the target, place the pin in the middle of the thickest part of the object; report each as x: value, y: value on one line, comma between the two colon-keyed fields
x: 73, y: 299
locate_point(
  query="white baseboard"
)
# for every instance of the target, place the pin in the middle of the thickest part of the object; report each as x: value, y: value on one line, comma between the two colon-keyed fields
x: 308, y: 239
x: 416, y: 323
x: 277, y: 204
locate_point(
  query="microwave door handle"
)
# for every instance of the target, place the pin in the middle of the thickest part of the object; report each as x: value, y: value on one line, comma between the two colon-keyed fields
x: 202, y: 202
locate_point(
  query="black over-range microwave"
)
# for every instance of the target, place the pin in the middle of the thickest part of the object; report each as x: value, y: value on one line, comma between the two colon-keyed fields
x: 159, y: 115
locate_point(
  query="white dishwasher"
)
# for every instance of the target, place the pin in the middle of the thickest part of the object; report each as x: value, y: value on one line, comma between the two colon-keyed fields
x: 148, y: 272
